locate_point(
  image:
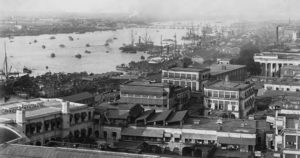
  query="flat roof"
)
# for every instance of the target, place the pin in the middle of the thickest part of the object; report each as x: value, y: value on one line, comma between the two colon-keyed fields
x: 188, y: 69
x: 217, y: 69
x: 34, y: 108
x: 145, y: 84
x: 223, y: 85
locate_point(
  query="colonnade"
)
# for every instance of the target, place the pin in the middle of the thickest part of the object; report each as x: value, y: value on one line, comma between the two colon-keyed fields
x: 272, y: 69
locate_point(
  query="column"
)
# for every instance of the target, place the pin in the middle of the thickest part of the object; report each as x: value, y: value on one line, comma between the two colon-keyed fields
x: 277, y: 70
x: 266, y: 69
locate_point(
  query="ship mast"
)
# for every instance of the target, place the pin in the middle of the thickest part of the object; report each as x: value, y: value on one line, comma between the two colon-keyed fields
x: 5, y: 62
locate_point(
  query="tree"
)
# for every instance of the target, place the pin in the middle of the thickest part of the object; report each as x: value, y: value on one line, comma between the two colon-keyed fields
x: 142, y: 57
x: 246, y: 58
x: 185, y: 62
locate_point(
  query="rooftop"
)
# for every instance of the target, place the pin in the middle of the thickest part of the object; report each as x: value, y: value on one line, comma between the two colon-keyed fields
x: 28, y: 151
x: 162, y: 116
x: 78, y: 97
x: 223, y: 85
x: 34, y: 108
x: 217, y: 69
x: 189, y: 69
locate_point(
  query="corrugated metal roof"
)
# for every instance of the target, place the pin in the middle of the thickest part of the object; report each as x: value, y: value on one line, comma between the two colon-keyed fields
x: 78, y: 97
x: 198, y: 136
x: 237, y: 141
x: 160, y: 116
x: 177, y: 116
x: 145, y: 115
x: 143, y: 132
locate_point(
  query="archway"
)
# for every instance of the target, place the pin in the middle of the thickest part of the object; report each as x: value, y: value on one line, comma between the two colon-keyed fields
x: 176, y: 151
x: 198, y: 153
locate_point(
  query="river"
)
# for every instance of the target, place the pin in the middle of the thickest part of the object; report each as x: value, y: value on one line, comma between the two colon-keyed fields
x: 20, y: 53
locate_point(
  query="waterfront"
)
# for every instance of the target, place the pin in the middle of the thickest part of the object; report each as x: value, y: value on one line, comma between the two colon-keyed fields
x: 101, y: 59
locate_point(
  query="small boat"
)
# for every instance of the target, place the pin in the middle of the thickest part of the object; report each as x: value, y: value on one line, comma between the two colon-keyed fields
x: 87, y: 45
x: 43, y: 46
x: 52, y: 55
x: 52, y: 37
x: 62, y: 46
x: 29, y: 42
x: 87, y: 51
x: 78, y: 56
x: 71, y: 38
x: 27, y: 70
x: 115, y: 38
x: 107, y: 51
x: 47, y: 67
x: 106, y: 44
x: 35, y: 41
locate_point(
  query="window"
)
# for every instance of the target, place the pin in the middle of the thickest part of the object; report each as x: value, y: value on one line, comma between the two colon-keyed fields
x: 233, y: 95
x: 194, y: 86
x: 287, y: 89
x: 221, y: 105
x: 221, y: 94
x: 182, y: 84
x: 215, y: 94
x: 227, y: 94
x: 183, y: 76
x: 177, y: 75
x: 189, y: 84
x: 194, y: 77
x: 177, y: 83
x: 189, y: 76
x: 209, y: 93
x: 171, y: 75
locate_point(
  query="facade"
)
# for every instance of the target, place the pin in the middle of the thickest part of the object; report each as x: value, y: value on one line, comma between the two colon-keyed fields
x: 286, y: 128
x: 291, y: 71
x: 234, y: 72
x: 158, y: 96
x: 44, y: 120
x: 229, y: 98
x: 272, y: 62
x: 284, y: 84
x: 195, y: 78
x: 223, y: 61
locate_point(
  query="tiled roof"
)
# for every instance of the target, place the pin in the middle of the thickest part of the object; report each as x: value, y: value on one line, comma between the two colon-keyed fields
x: 160, y: 116
x: 177, y: 116
x: 78, y: 97
x: 145, y: 115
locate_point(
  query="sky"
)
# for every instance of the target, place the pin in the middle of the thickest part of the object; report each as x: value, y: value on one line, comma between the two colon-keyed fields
x: 254, y: 9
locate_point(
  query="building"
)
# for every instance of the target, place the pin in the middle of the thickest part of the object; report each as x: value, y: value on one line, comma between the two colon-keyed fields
x: 195, y: 78
x: 272, y: 62
x: 44, y: 120
x: 291, y: 71
x: 229, y: 99
x: 158, y: 96
x: 234, y: 72
x: 283, y: 84
x: 286, y: 127
x: 83, y: 98
x: 223, y: 61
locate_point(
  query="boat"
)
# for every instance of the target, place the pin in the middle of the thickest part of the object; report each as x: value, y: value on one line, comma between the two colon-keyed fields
x: 62, y: 46
x: 27, y: 70
x: 87, y: 45
x: 87, y: 51
x: 122, y: 67
x: 52, y: 37
x: 43, y: 46
x: 71, y: 38
x: 107, y: 51
x: 35, y: 41
x: 115, y: 38
x: 52, y: 55
x: 78, y: 56
x: 129, y: 48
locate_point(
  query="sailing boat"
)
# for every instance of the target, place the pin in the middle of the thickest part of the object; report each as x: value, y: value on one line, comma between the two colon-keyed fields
x: 130, y: 48
x: 6, y: 73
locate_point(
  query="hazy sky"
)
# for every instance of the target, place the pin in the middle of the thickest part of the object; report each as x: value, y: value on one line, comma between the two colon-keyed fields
x: 165, y: 8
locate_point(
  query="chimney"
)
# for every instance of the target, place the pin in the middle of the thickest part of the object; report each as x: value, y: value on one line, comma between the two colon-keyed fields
x: 20, y: 116
x: 65, y: 109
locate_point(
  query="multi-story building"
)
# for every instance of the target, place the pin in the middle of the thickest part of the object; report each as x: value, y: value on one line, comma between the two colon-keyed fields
x: 44, y: 120
x: 232, y: 99
x: 158, y: 96
x: 195, y: 78
x: 234, y: 72
x: 286, y: 122
x: 272, y: 62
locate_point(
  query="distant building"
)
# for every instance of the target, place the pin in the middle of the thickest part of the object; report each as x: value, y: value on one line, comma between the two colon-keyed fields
x: 194, y: 78
x: 223, y: 61
x: 234, y: 72
x: 292, y: 71
x: 158, y: 96
x: 283, y: 84
x: 229, y: 99
x: 272, y: 62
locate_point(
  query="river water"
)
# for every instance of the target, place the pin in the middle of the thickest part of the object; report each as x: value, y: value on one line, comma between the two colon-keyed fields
x: 20, y: 53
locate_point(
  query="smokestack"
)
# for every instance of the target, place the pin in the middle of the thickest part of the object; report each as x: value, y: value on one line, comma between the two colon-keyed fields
x: 20, y: 116
x: 65, y: 107
x: 277, y: 34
